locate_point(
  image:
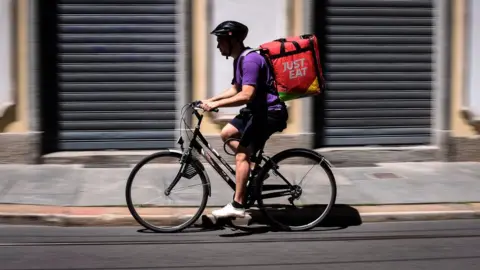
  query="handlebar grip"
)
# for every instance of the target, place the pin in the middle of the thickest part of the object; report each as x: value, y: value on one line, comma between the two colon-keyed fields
x: 198, y: 102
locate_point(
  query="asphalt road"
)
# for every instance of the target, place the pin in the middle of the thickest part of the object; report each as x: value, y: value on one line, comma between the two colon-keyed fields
x: 423, y: 245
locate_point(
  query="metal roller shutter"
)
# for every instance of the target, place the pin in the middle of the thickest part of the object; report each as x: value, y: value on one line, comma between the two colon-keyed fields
x: 379, y: 72
x: 117, y: 74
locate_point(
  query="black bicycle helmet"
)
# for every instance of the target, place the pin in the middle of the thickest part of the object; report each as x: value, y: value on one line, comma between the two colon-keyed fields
x: 231, y: 28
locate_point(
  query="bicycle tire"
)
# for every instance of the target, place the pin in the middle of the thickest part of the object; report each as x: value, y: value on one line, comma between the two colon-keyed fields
x: 294, y: 153
x: 175, y: 154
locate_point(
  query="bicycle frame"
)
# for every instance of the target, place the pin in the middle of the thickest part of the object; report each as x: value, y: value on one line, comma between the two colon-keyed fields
x: 194, y: 144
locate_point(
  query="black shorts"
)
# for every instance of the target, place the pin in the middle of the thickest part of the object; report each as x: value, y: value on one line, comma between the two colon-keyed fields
x: 256, y: 130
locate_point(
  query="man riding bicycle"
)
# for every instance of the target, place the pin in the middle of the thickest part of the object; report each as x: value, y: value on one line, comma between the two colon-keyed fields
x: 263, y: 115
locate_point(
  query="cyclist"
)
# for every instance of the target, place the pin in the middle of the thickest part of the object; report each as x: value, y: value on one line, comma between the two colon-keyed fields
x: 263, y: 115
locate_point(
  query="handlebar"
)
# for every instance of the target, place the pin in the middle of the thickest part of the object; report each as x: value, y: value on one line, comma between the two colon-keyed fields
x: 196, y: 105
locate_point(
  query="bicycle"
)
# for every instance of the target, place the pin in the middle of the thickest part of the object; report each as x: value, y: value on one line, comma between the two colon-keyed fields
x: 190, y: 166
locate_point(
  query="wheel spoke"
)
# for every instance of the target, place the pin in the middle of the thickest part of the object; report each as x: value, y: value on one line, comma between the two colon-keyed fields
x: 300, y: 184
x: 183, y: 188
x: 154, y: 199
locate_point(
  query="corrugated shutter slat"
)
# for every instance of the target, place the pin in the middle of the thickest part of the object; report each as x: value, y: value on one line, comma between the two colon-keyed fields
x: 379, y: 64
x: 117, y: 74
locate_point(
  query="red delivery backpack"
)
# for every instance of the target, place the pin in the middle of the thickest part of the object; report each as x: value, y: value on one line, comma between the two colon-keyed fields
x: 295, y: 64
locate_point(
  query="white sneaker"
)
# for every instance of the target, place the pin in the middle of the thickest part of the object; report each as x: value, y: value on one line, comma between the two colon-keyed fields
x: 229, y: 211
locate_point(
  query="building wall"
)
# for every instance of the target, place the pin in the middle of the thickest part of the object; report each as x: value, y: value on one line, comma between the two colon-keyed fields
x: 465, y: 141
x: 17, y: 144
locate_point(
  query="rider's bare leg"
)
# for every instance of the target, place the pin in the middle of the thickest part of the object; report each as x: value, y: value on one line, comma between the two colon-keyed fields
x: 229, y: 131
x: 235, y: 208
x: 242, y: 172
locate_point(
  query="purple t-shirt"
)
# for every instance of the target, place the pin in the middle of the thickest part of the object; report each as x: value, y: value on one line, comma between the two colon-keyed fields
x: 256, y: 73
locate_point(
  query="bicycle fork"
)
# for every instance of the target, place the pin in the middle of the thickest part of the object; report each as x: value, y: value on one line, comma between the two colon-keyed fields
x: 184, y: 164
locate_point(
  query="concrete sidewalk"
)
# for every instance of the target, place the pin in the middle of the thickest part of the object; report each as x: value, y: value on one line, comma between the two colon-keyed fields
x: 56, y: 192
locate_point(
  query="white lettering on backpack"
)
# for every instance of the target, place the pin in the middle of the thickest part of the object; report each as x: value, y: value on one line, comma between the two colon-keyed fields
x: 295, y: 68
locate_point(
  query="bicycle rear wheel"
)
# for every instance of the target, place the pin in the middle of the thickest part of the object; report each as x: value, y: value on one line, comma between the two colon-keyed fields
x: 160, y: 169
x: 278, y: 184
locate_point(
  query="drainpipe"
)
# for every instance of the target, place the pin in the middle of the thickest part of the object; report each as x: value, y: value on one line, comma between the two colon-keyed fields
x: 442, y: 98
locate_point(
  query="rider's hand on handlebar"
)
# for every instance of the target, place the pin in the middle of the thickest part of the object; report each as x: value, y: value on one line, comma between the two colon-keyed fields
x: 209, y: 106
x: 204, y: 101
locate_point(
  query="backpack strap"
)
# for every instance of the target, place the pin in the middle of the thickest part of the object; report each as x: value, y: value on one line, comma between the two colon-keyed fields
x: 240, y: 66
x: 242, y: 56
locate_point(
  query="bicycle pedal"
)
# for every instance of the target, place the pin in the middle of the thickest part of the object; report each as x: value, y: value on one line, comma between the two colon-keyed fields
x: 291, y: 199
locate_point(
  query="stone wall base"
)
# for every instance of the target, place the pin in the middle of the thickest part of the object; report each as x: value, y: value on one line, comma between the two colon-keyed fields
x: 20, y: 148
x: 464, y: 149
x: 24, y: 148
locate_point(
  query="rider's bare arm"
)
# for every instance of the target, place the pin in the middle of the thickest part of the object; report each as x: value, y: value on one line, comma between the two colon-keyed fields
x: 230, y: 92
x: 251, y: 70
x: 242, y: 98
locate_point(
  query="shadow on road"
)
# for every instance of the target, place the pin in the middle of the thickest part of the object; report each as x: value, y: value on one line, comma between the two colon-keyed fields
x: 340, y: 217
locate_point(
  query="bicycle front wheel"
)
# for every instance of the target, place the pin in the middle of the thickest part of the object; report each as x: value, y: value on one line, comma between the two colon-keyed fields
x: 292, y: 178
x: 162, y: 211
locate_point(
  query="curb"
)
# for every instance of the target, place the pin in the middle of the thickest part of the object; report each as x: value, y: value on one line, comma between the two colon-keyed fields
x: 351, y: 215
x: 419, y: 216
